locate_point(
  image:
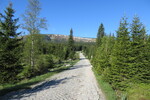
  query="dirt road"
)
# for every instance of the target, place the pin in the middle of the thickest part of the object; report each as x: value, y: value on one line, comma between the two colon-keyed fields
x: 77, y: 83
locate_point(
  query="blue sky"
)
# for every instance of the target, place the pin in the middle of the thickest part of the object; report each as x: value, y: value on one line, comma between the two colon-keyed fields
x: 85, y: 16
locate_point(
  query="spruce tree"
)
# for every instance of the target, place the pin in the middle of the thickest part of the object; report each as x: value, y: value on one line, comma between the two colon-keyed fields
x: 103, y: 53
x: 117, y: 74
x: 10, y: 47
x: 100, y: 35
x: 70, y: 40
x: 70, y: 49
x: 140, y: 59
x: 146, y: 74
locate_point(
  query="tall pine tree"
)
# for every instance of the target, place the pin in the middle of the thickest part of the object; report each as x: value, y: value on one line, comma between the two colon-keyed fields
x: 140, y: 59
x: 100, y: 34
x: 70, y: 49
x: 117, y: 74
x: 10, y: 47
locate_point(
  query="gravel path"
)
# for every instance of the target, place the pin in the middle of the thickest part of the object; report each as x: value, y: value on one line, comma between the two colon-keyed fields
x: 77, y: 83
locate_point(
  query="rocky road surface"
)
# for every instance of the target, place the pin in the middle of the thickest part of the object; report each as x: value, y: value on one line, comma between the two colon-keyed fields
x: 77, y: 83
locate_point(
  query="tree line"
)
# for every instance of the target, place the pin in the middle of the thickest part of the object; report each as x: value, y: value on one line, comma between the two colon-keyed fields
x: 124, y: 59
x: 30, y: 55
x: 121, y: 60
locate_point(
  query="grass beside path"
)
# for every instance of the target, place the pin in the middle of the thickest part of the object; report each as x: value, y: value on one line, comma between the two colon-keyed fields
x: 106, y: 87
x: 26, y: 84
x: 140, y: 91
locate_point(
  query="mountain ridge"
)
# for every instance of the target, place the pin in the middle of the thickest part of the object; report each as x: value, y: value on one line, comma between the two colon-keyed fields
x: 59, y: 37
x: 64, y: 38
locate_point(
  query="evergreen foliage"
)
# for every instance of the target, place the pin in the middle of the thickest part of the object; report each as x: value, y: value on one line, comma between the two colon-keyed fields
x: 103, y: 53
x: 100, y: 35
x: 38, y: 51
x: 70, y: 49
x: 88, y: 49
x: 96, y: 53
x: 120, y: 57
x: 102, y: 50
x: 10, y: 47
x: 140, y: 61
x: 124, y: 60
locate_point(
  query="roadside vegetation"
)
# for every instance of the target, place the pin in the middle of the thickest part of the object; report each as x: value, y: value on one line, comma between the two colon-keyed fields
x: 28, y: 83
x: 27, y: 60
x: 123, y: 61
x: 105, y: 87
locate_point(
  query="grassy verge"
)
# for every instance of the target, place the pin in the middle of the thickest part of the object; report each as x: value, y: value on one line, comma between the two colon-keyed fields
x: 106, y: 88
x: 26, y: 84
x: 139, y: 92
x: 135, y: 92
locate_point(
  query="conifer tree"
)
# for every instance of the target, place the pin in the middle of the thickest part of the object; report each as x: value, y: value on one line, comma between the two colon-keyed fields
x: 10, y: 47
x: 146, y: 72
x: 120, y: 57
x: 70, y: 49
x: 100, y: 35
x: 70, y: 40
x: 103, y: 53
x: 140, y: 59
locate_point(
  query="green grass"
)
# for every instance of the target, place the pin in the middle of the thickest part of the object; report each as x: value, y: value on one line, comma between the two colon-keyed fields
x: 106, y: 88
x: 26, y: 84
x: 134, y: 92
x: 139, y: 92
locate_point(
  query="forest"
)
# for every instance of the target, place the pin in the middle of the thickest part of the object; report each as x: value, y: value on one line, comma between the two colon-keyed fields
x: 122, y: 59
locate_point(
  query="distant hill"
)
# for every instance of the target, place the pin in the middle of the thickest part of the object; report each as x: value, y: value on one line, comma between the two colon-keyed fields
x: 58, y: 37
x: 64, y: 38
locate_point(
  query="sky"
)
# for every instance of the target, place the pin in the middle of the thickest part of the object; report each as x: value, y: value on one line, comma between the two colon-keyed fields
x: 84, y: 16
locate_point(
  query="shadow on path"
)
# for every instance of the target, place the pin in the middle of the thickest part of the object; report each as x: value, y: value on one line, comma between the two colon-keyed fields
x: 45, y: 85
x: 79, y: 66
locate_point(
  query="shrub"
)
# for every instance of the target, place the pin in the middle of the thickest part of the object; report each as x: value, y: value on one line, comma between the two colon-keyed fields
x: 26, y: 72
x: 76, y: 56
x: 56, y: 60
x: 44, y: 63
